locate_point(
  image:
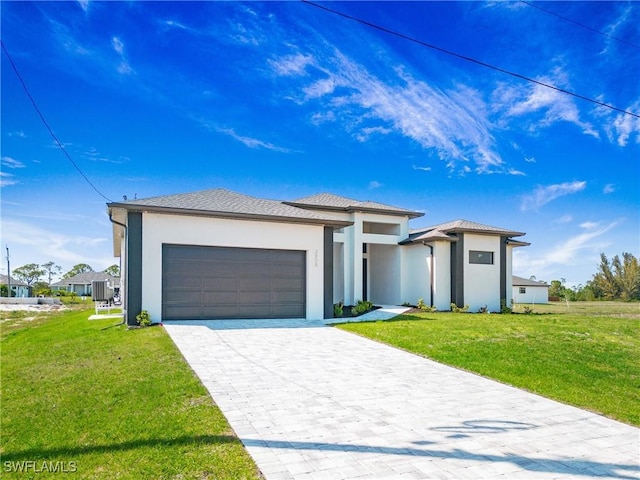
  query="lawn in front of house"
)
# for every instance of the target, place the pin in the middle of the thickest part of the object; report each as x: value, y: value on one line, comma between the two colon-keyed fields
x: 590, y: 361
x: 101, y: 401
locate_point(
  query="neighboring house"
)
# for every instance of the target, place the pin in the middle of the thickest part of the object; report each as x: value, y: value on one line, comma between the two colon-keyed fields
x: 529, y: 291
x: 82, y: 283
x: 220, y: 254
x: 18, y: 287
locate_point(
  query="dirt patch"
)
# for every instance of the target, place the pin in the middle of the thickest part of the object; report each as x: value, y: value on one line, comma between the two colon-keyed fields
x: 13, y: 307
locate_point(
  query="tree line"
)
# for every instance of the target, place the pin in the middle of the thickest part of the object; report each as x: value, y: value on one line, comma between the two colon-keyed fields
x: 616, y: 279
x: 39, y: 277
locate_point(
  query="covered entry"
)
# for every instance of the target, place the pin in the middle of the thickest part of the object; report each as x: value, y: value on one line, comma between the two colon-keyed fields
x: 226, y: 282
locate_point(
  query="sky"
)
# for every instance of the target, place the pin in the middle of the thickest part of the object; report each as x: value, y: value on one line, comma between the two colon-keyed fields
x: 283, y: 100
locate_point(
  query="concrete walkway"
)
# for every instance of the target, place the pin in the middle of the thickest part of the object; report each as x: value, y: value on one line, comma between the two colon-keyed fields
x: 313, y: 402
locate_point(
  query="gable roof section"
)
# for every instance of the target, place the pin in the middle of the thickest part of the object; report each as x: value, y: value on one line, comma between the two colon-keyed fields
x: 443, y: 231
x: 525, y: 282
x: 331, y: 202
x: 14, y: 281
x: 227, y: 204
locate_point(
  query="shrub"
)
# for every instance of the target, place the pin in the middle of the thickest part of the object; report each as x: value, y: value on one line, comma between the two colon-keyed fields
x: 504, y: 308
x: 143, y: 318
x: 527, y: 310
x: 456, y: 309
x: 361, y: 306
x: 484, y: 309
x: 421, y: 305
x: 338, y: 309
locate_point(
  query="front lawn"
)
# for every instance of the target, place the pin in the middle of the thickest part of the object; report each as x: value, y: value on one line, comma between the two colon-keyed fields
x: 590, y: 361
x: 101, y: 401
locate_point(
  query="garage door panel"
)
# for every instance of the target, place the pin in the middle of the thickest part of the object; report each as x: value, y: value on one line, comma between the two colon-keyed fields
x: 222, y: 282
x: 183, y: 296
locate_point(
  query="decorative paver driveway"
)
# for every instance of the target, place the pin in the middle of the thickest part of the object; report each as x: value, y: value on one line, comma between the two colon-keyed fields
x: 313, y: 402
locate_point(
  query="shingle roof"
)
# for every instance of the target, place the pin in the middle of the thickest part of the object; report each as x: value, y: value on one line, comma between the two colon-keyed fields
x: 442, y: 231
x: 329, y: 201
x: 525, y: 282
x: 86, y: 278
x: 14, y: 281
x: 221, y: 202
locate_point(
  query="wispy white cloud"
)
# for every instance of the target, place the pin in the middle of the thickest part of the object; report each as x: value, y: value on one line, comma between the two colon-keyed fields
x: 540, y: 106
x: 66, y: 249
x: 424, y: 169
x: 375, y: 184
x: 453, y: 123
x: 569, y: 251
x: 609, y: 188
x: 545, y: 194
x: 564, y: 219
x: 6, y: 179
x: 251, y: 142
x: 622, y: 128
x: 124, y: 68
x: 10, y: 162
x: 513, y: 171
x: 17, y: 133
x: 84, y: 4
x: 291, y: 64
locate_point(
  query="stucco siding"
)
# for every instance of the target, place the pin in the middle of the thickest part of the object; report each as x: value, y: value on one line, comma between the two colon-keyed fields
x: 482, y: 282
x: 442, y: 275
x: 385, y: 274
x: 415, y: 278
x: 185, y: 230
x: 532, y: 294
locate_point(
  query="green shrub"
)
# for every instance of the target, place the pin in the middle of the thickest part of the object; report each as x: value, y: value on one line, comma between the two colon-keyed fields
x: 527, y: 310
x: 484, y: 309
x: 361, y: 306
x: 456, y: 309
x: 504, y: 308
x: 143, y: 318
x: 338, y: 309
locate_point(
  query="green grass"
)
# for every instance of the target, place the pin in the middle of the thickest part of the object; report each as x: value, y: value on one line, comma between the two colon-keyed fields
x: 117, y: 403
x: 588, y: 359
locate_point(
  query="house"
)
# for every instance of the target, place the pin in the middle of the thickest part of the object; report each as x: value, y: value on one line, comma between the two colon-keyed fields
x: 529, y: 291
x: 82, y: 283
x: 18, y: 288
x: 221, y: 254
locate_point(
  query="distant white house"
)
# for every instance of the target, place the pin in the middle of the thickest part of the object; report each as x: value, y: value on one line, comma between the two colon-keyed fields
x: 529, y: 291
x: 18, y: 288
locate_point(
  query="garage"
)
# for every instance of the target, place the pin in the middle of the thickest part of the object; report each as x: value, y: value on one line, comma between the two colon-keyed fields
x: 201, y: 282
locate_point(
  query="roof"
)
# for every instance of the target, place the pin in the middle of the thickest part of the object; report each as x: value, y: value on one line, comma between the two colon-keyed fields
x: 225, y: 203
x: 331, y: 202
x: 14, y: 282
x: 86, y: 278
x: 443, y: 231
x: 525, y: 282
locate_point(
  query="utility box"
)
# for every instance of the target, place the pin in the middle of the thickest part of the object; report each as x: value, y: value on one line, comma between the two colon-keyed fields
x: 101, y: 291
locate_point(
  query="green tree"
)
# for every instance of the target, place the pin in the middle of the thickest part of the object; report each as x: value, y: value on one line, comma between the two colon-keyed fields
x: 51, y: 269
x: 41, y: 288
x: 618, y: 279
x: 77, y: 269
x: 113, y: 270
x: 29, y: 273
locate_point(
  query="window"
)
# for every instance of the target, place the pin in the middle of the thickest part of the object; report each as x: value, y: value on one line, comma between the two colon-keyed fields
x: 523, y: 289
x: 476, y: 256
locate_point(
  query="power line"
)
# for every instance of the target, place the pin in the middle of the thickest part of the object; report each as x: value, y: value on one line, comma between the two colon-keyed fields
x: 580, y: 24
x: 35, y: 105
x: 469, y: 59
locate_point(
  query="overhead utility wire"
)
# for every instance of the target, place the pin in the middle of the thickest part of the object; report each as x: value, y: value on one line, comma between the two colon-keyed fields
x: 580, y: 24
x: 35, y: 105
x: 469, y: 59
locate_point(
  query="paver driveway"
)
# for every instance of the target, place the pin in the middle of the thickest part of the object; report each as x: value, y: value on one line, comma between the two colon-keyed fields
x: 310, y: 402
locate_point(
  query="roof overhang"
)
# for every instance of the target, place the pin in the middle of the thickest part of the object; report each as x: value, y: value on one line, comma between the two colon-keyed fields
x: 353, y: 209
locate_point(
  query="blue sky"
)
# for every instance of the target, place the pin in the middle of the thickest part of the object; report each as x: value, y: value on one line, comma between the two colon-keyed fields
x: 283, y: 100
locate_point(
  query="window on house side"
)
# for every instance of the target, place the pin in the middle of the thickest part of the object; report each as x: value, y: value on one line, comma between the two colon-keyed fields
x: 485, y: 258
x: 523, y: 289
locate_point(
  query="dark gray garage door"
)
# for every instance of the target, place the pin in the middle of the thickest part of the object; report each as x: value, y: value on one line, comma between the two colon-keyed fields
x: 222, y: 282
